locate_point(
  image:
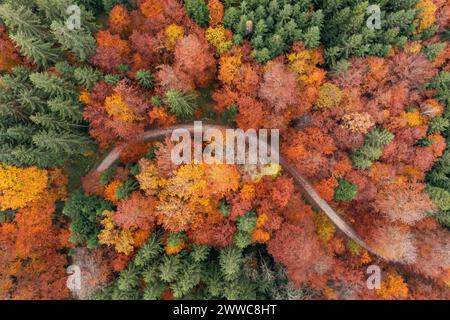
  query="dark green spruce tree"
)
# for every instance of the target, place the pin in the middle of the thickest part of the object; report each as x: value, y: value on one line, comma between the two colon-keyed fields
x: 40, y: 119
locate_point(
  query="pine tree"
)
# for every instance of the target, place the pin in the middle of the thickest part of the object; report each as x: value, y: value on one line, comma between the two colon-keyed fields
x: 345, y: 191
x: 154, y: 291
x: 157, y: 101
x: 66, y: 70
x: 312, y: 37
x: 103, y: 294
x: 7, y: 216
x: 48, y: 106
x: 189, y: 277
x: 441, y: 83
x: 62, y: 142
x: 107, y: 176
x: 374, y: 141
x: 273, y: 26
x: 169, y: 268
x: 20, y: 19
x: 109, y: 4
x: 239, y: 289
x: 35, y: 27
x: 198, y: 10
x: 85, y: 212
x: 182, y: 104
x: 126, y: 189
x: 51, y: 84
x: 42, y: 53
x: 199, y: 252
x: 145, y: 78
x: 433, y: 50
x: 112, y: 79
x: 242, y: 239
x: 118, y: 294
x: 247, y: 222
x: 346, y: 34
x: 128, y: 279
x: 149, y: 251
x: 28, y: 156
x: 87, y: 76
x: 67, y: 109
x: 80, y: 42
x: 230, y: 262
x: 31, y: 100
x: 445, y: 36
x: 20, y: 133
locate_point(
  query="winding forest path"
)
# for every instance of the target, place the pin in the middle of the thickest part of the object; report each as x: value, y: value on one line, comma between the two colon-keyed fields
x: 305, y: 187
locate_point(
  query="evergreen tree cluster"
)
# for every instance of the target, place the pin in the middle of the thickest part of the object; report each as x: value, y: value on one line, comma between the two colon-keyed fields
x: 197, y: 10
x: 439, y: 177
x: 245, y: 225
x: 41, y: 118
x: 85, y: 214
x: 39, y: 29
x: 372, y: 149
x: 345, y: 191
x: 182, y: 104
x: 200, y: 273
x: 273, y: 25
x: 346, y: 33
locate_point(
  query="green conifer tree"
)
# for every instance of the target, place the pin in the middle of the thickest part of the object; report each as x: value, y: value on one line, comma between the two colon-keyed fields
x: 182, y: 104
x: 198, y: 10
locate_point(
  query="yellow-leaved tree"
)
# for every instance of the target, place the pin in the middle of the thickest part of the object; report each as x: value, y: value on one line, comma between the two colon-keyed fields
x: 19, y: 186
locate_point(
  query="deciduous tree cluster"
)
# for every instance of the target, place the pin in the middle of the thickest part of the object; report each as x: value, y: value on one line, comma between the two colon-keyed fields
x: 362, y: 113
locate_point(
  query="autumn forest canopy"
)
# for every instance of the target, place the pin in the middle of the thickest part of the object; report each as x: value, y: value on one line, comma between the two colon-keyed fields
x: 363, y: 114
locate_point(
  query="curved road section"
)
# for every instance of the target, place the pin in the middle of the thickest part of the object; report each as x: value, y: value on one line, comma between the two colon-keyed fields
x: 305, y: 187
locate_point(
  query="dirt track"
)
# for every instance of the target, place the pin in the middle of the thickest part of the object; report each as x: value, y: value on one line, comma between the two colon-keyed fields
x: 310, y: 194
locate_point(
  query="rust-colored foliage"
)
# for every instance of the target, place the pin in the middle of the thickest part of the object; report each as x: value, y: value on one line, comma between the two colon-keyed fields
x: 405, y: 203
x: 393, y: 242
x: 31, y: 263
x: 133, y: 152
x: 117, y: 114
x: 188, y: 52
x: 215, y: 12
x: 251, y: 113
x: 111, y: 51
x: 433, y: 255
x: 308, y: 150
x: 279, y: 87
x: 170, y: 79
x: 222, y: 179
x: 119, y: 19
x: 9, y: 57
x: 91, y: 183
x: 298, y: 248
x: 96, y: 268
x: 137, y: 211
